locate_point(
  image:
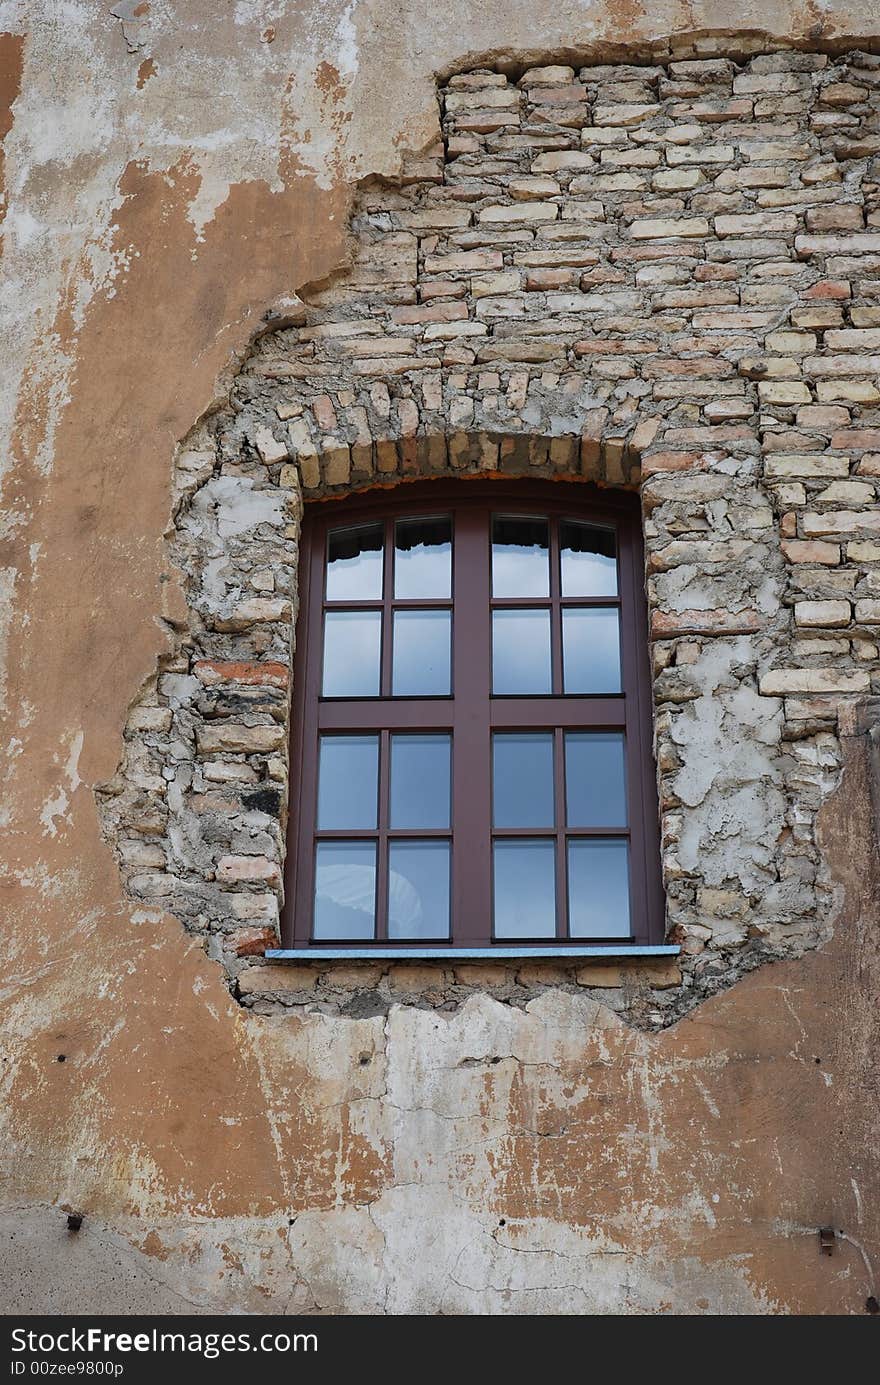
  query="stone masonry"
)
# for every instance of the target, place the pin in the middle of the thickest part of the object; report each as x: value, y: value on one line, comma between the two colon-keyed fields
x: 654, y: 277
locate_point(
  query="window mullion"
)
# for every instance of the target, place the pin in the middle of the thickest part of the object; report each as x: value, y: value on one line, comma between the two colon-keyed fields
x: 558, y: 743
x: 387, y: 599
x: 555, y: 616
x: 382, y: 843
x: 559, y: 814
x: 471, y: 850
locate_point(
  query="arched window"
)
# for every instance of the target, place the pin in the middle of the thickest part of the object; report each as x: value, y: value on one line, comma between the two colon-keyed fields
x: 471, y: 761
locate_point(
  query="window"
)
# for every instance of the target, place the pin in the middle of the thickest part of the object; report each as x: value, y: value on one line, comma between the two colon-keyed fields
x: 471, y: 759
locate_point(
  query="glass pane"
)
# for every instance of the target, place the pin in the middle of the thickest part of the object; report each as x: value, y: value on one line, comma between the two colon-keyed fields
x: 354, y: 563
x: 522, y: 779
x: 521, y: 652
x: 420, y: 774
x: 595, y: 779
x: 421, y: 653
x: 423, y: 558
x: 590, y: 650
x: 598, y: 889
x: 345, y: 890
x: 525, y: 889
x: 520, y: 557
x: 348, y: 782
x: 351, y: 653
x: 589, y: 559
x: 418, y: 890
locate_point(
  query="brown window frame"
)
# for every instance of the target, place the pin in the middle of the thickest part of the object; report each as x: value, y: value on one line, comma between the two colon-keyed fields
x: 471, y: 713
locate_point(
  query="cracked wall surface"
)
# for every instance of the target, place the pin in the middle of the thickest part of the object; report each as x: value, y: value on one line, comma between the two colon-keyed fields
x: 658, y: 276
x: 170, y: 183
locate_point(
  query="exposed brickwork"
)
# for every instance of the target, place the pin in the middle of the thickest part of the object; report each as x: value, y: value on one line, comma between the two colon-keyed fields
x: 665, y: 277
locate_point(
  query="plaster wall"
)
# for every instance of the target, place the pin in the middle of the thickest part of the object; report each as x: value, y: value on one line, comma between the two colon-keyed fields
x: 172, y: 178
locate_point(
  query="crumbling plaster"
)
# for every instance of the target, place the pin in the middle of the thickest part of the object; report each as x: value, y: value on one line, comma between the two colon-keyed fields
x: 628, y: 276
x: 218, y: 1156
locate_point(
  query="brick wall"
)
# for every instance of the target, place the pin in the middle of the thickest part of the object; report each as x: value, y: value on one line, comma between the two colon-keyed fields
x: 660, y: 277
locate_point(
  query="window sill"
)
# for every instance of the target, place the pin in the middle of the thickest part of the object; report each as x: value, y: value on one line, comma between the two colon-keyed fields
x: 462, y: 954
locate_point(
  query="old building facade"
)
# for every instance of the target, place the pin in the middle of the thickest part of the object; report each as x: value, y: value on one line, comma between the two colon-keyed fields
x: 647, y: 266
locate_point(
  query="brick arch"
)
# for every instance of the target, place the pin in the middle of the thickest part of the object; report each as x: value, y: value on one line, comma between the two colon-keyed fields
x: 659, y: 277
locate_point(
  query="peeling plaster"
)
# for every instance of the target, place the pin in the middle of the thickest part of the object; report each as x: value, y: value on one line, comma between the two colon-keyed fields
x: 57, y: 806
